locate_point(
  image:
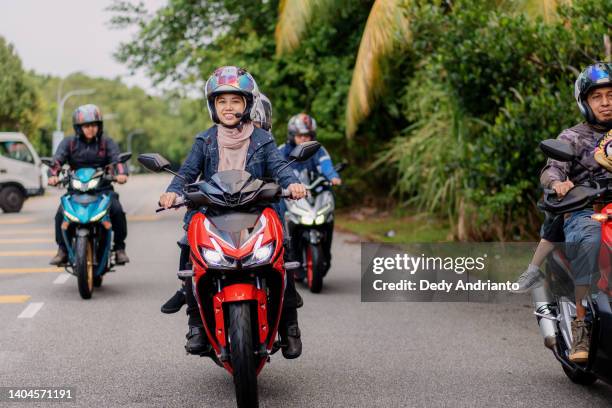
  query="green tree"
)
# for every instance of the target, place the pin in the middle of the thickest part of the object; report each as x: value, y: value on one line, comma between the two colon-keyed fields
x: 386, y: 33
x: 19, y: 102
x: 168, y: 122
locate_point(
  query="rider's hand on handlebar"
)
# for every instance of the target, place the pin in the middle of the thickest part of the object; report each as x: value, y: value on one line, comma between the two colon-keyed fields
x: 53, y: 180
x: 562, y: 187
x: 121, y: 178
x: 167, y: 200
x: 297, y: 190
x: 336, y: 181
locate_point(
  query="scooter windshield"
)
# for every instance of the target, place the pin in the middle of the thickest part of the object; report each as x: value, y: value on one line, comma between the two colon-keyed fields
x: 232, y: 181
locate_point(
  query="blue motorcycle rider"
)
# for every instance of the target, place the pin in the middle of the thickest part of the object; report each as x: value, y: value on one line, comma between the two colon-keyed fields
x: 90, y: 147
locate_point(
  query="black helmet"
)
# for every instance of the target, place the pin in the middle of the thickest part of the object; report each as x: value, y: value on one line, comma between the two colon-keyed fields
x: 87, y: 114
x: 234, y: 80
x: 594, y: 76
x: 301, y: 124
x: 262, y: 112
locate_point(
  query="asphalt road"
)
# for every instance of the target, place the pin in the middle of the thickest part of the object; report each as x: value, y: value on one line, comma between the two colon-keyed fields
x: 118, y: 350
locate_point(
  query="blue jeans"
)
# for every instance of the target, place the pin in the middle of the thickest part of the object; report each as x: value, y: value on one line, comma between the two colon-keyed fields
x: 583, y: 237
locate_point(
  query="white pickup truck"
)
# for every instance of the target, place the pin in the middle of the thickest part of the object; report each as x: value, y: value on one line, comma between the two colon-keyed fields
x: 21, y: 171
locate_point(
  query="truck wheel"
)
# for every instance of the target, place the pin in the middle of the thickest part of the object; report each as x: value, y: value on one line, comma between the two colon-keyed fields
x: 11, y: 199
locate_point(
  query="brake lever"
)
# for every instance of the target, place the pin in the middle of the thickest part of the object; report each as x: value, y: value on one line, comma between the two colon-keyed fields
x: 180, y: 202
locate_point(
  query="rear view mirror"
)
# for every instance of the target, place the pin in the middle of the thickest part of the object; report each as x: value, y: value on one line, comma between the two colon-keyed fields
x: 48, y: 161
x: 558, y: 150
x: 154, y: 162
x: 123, y: 157
x: 305, y: 150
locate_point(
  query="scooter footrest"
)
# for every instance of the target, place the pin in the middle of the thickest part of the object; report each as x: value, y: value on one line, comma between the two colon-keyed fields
x: 275, y: 347
x: 291, y: 265
x: 185, y: 274
x: 262, y: 351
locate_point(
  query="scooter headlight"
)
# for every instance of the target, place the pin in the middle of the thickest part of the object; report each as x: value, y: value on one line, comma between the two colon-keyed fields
x: 71, y: 217
x: 93, y: 184
x: 260, y: 255
x: 306, y: 220
x: 216, y: 258
x: 76, y: 184
x: 90, y: 185
x: 98, y: 216
x: 320, y: 219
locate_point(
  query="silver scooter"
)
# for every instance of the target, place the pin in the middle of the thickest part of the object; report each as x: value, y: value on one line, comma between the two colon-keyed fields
x: 310, y: 224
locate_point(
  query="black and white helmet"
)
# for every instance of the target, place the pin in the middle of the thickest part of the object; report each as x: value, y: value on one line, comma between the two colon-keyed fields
x: 262, y: 112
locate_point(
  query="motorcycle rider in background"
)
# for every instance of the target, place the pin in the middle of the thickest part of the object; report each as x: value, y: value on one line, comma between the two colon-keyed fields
x: 593, y: 93
x: 302, y: 128
x: 90, y: 147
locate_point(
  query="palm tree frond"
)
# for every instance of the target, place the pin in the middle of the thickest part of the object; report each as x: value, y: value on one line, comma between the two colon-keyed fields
x: 547, y: 9
x: 293, y: 19
x: 387, y: 28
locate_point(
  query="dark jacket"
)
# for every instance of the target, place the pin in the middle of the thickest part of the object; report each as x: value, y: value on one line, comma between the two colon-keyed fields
x: 263, y: 160
x: 584, y: 139
x: 78, y: 153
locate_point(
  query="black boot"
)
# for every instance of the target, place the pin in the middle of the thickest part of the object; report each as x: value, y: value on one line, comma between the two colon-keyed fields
x: 175, y: 303
x: 299, y: 300
x: 197, y: 343
x: 291, y: 342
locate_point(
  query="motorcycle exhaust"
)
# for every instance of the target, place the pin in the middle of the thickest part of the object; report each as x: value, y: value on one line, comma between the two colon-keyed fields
x: 543, y: 304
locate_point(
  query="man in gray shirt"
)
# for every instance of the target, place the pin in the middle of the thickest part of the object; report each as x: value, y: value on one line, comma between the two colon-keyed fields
x: 593, y: 92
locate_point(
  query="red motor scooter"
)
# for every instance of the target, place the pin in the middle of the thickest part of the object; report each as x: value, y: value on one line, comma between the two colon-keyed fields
x: 236, y: 249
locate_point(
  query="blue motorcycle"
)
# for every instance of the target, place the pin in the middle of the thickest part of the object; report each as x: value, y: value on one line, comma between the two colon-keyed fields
x: 86, y: 227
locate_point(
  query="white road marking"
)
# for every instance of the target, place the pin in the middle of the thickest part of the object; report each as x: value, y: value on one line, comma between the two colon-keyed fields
x: 30, y: 310
x: 63, y: 278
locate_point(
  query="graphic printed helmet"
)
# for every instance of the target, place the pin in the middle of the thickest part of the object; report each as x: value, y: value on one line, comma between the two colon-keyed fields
x: 301, y: 124
x: 594, y: 76
x: 87, y: 114
x: 232, y: 80
x: 262, y: 112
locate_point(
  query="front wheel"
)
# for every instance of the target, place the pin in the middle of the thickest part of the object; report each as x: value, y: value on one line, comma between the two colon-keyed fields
x: 84, y: 267
x: 242, y: 355
x: 314, y: 268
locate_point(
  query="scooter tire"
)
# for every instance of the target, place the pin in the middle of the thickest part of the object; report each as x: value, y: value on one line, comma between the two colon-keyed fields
x: 242, y: 355
x: 84, y: 267
x: 314, y: 268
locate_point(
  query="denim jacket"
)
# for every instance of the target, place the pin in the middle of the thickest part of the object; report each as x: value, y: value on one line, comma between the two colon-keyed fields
x: 263, y: 160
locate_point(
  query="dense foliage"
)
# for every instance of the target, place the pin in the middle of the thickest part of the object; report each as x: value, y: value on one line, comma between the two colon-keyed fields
x: 19, y: 102
x: 489, y: 85
x: 454, y: 131
x: 166, y: 124
x: 466, y: 102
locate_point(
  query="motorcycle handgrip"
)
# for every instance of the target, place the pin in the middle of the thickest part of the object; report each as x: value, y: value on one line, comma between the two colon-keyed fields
x: 178, y: 203
x: 286, y: 194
